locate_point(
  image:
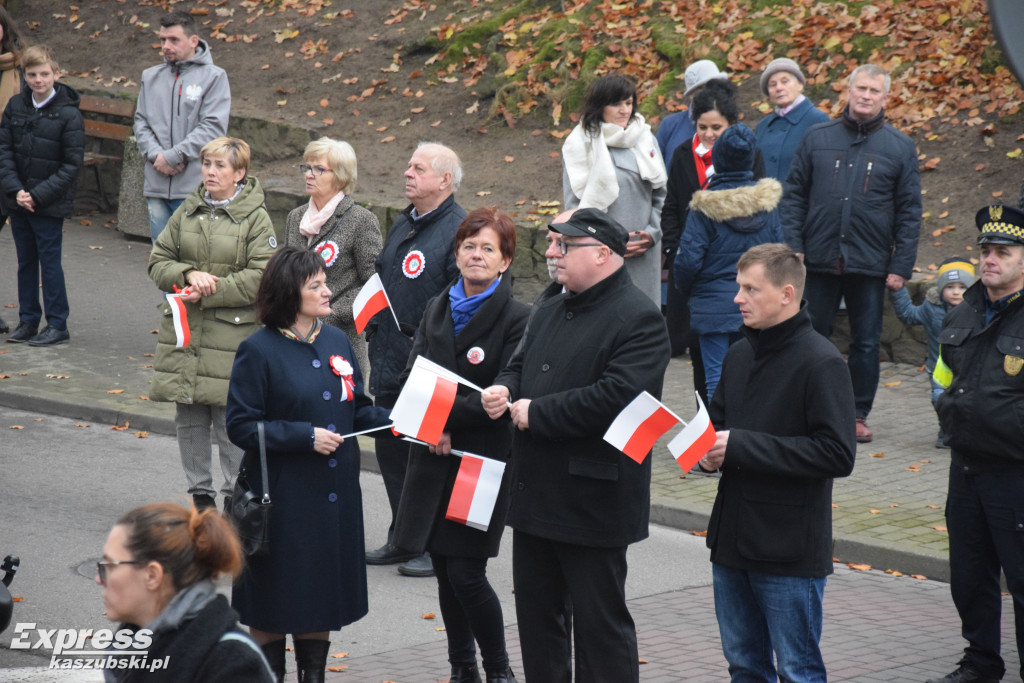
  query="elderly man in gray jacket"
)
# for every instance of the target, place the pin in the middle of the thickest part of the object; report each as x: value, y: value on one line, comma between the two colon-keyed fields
x: 183, y: 104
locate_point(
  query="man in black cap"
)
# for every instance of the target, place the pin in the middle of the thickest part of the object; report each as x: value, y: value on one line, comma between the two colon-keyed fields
x: 980, y: 361
x: 578, y: 502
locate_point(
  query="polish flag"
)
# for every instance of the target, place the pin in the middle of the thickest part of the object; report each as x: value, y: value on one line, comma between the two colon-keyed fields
x: 639, y: 426
x: 475, y: 492
x: 370, y: 301
x: 696, y: 439
x: 422, y: 408
x: 179, y: 315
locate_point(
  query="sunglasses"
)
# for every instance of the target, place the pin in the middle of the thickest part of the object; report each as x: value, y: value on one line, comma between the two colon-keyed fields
x: 101, y: 567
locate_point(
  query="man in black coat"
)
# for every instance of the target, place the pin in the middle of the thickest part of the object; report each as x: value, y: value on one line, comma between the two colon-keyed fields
x: 783, y: 412
x: 852, y: 211
x: 416, y: 264
x: 577, y: 502
x: 980, y: 361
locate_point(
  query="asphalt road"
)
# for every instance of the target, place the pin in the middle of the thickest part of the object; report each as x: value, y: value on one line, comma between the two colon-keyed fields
x: 65, y: 483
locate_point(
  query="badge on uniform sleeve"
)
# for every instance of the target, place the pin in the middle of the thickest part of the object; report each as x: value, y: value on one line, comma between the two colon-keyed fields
x: 475, y: 355
x: 273, y: 242
x: 413, y: 264
x: 328, y: 251
x: 1012, y: 365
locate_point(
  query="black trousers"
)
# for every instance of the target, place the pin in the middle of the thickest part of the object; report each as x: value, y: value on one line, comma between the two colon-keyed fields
x: 548, y: 575
x: 985, y: 518
x: 393, y: 460
x: 471, y: 611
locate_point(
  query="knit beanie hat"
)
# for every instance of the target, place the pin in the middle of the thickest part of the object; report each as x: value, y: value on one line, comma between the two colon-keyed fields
x: 954, y: 270
x: 781, y: 64
x: 734, y: 149
x: 699, y: 73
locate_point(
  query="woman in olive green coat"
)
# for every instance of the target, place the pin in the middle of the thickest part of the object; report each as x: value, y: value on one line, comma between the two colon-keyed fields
x: 212, y: 255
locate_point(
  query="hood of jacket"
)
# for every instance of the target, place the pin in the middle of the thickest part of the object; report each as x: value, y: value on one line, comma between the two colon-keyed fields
x: 248, y: 200
x: 739, y: 206
x: 201, y: 57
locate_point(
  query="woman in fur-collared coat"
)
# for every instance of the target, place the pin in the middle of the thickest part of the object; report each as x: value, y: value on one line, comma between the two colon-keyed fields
x: 733, y: 214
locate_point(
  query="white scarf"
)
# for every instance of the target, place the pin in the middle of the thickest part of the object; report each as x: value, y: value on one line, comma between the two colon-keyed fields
x: 314, y: 219
x: 588, y: 163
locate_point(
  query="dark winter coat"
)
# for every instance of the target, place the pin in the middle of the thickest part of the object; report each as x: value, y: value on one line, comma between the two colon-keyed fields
x: 41, y: 152
x: 723, y: 223
x: 786, y: 398
x: 315, y: 576
x: 409, y: 288
x: 494, y: 330
x: 852, y: 199
x: 982, y: 411
x: 209, y: 648
x: 929, y: 313
x: 779, y: 136
x: 583, y: 359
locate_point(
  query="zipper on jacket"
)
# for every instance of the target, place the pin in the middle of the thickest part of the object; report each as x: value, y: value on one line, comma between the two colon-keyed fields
x: 867, y: 177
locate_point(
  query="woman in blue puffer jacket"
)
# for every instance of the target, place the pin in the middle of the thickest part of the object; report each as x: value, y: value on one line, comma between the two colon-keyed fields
x: 733, y: 214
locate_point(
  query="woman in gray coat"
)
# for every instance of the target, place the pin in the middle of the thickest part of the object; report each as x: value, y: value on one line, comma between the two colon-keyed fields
x: 344, y: 234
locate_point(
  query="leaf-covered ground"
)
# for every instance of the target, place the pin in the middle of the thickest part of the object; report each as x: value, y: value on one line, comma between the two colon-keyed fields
x: 501, y: 80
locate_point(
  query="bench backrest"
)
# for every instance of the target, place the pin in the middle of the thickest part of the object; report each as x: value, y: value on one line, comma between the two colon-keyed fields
x: 109, y: 106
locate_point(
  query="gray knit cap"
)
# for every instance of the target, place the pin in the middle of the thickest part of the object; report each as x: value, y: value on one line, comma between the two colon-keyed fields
x: 781, y: 64
x: 699, y: 73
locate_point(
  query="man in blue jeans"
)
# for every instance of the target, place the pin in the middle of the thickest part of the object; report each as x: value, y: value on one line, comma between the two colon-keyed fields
x: 783, y: 412
x: 852, y: 210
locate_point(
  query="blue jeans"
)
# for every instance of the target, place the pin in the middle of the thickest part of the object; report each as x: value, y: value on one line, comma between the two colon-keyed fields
x: 37, y: 241
x: 865, y: 298
x: 713, y: 348
x: 160, y: 211
x: 761, y: 613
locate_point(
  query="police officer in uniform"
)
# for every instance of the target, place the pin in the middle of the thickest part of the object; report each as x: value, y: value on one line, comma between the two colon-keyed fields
x: 981, y: 359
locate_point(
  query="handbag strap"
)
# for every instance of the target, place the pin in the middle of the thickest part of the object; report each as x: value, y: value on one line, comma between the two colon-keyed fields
x: 263, y: 462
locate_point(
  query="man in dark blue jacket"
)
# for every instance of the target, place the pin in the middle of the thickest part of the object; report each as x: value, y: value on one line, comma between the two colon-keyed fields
x: 782, y: 413
x: 415, y: 265
x: 852, y: 211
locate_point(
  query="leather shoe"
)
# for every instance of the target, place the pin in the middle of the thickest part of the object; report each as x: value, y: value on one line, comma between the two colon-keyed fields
x: 418, y: 566
x: 4, y: 329
x: 505, y: 676
x: 864, y: 434
x: 51, y: 336
x: 203, y: 501
x: 465, y: 673
x: 23, y: 333
x: 389, y: 553
x: 964, y: 674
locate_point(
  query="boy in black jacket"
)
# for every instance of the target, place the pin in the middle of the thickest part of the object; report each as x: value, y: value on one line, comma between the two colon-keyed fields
x: 41, y: 141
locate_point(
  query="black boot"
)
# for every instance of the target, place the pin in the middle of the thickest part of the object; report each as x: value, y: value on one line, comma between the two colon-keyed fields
x: 465, y: 673
x: 4, y: 327
x: 311, y: 658
x: 505, y: 676
x: 274, y: 652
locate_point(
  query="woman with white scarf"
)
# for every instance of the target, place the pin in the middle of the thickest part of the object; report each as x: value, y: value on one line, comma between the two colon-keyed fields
x: 611, y: 161
x: 344, y: 234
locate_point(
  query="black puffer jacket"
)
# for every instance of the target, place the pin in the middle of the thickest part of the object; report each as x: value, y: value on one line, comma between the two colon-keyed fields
x: 410, y: 280
x: 982, y: 410
x: 852, y: 200
x: 41, y: 151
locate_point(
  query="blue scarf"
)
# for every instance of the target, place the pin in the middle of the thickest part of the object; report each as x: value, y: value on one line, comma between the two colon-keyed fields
x: 465, y: 307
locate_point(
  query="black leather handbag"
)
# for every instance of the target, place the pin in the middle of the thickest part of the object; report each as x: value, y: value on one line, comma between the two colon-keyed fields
x: 250, y: 512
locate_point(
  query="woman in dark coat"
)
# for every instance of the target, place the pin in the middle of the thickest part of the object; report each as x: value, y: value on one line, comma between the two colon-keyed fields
x: 299, y: 377
x: 471, y: 329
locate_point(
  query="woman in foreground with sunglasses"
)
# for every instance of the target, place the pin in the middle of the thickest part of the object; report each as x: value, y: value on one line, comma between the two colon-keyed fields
x: 157, y: 573
x: 345, y: 235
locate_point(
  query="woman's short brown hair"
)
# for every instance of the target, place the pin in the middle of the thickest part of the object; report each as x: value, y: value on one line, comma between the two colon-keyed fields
x: 234, y: 150
x: 279, y: 296
x: 489, y: 217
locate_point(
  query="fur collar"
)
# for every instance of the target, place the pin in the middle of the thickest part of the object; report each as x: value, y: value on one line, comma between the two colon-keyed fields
x: 747, y: 200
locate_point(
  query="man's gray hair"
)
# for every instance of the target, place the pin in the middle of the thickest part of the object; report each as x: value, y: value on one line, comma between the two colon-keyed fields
x: 874, y: 71
x: 445, y: 161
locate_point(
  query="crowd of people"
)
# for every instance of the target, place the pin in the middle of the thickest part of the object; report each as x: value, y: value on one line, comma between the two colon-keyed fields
x: 735, y: 244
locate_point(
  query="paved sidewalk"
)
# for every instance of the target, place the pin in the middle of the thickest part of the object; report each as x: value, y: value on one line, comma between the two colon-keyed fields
x: 888, y: 514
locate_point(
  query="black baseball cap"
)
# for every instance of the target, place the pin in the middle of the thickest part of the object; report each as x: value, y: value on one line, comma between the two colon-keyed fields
x: 597, y: 224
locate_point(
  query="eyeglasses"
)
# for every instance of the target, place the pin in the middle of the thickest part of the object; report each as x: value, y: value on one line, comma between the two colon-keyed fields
x: 564, y: 246
x: 101, y: 567
x: 317, y: 170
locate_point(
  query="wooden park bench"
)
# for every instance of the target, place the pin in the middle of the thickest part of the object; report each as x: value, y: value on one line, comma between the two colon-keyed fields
x: 99, y: 126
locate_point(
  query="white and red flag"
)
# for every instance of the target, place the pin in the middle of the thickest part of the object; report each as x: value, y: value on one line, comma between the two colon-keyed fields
x: 179, y: 315
x: 370, y: 301
x: 639, y: 426
x: 476, y: 491
x: 696, y: 439
x: 422, y: 408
